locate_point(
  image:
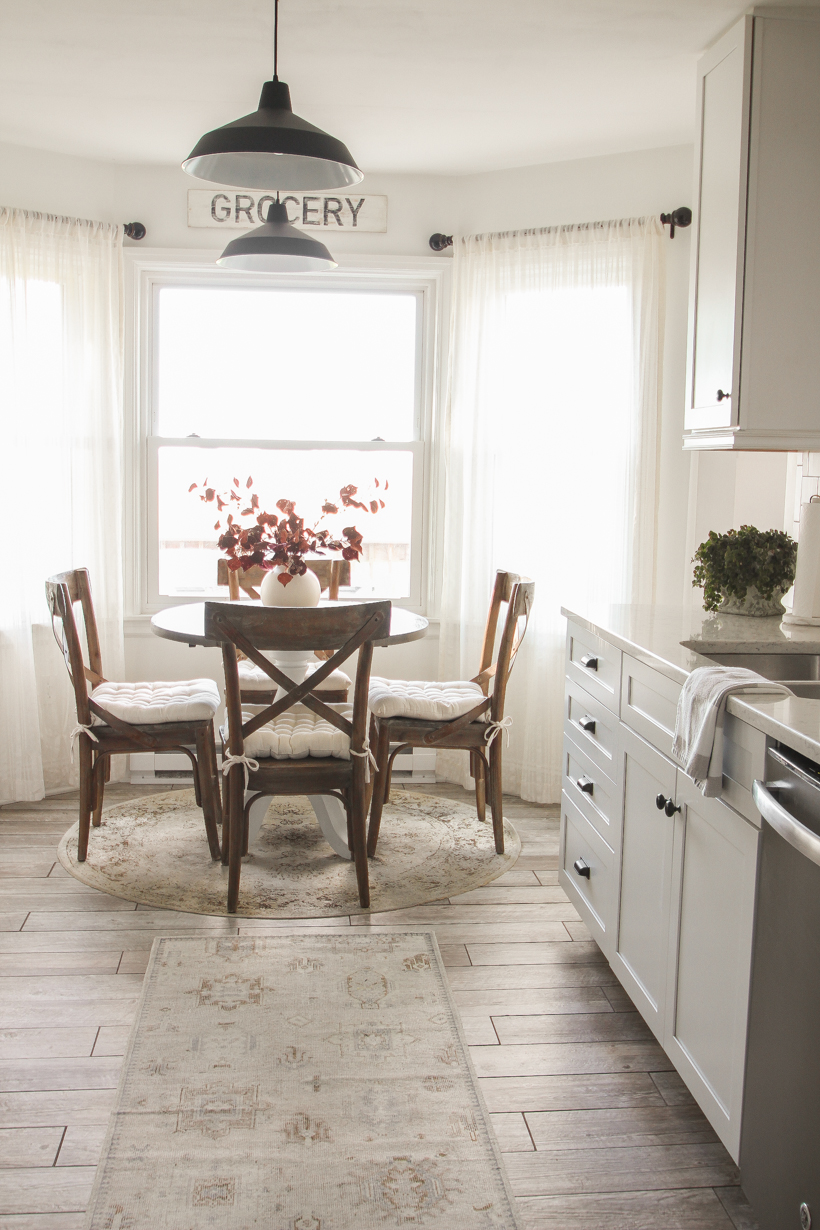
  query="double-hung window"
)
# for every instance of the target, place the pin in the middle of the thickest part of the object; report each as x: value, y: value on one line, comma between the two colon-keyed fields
x: 302, y: 386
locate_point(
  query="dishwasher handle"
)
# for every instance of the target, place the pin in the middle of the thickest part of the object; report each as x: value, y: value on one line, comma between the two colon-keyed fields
x: 796, y: 834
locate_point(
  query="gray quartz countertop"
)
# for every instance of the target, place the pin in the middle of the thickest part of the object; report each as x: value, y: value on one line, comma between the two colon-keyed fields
x: 674, y: 641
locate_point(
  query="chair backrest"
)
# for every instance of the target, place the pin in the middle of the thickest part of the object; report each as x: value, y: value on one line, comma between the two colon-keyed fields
x: 502, y: 592
x: 63, y: 591
x: 521, y: 598
x: 331, y: 573
x: 343, y: 627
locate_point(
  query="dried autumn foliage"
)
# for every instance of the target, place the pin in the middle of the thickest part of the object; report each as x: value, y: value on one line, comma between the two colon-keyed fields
x: 270, y: 540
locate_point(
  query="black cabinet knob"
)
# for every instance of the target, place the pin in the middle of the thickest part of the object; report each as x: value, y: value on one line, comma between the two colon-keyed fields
x: 721, y: 395
x: 582, y: 867
x: 590, y: 662
x: 587, y: 723
x: 660, y: 801
x: 669, y: 807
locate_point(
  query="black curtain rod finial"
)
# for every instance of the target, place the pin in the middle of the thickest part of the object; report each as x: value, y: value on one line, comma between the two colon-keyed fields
x: 681, y: 217
x: 439, y: 242
x: 134, y: 230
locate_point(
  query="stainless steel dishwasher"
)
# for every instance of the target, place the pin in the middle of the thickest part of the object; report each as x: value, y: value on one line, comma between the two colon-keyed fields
x: 780, y: 1129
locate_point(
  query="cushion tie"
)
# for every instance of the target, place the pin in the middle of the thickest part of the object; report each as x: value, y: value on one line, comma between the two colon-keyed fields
x: 495, y: 728
x: 370, y: 759
x: 78, y: 730
x: 247, y: 762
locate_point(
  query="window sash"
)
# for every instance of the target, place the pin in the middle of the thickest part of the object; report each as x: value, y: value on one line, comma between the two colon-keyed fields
x: 416, y: 448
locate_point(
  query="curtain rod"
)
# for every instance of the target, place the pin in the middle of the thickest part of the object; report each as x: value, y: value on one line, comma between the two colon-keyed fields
x: 681, y: 217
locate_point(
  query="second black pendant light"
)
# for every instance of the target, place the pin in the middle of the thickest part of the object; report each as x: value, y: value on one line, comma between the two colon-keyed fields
x: 272, y: 147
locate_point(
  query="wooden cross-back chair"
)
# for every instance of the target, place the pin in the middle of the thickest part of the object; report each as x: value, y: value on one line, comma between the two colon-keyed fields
x: 252, y: 766
x: 111, y: 734
x: 480, y: 726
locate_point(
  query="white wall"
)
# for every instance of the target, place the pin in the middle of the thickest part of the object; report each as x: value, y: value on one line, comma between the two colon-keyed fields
x: 711, y: 491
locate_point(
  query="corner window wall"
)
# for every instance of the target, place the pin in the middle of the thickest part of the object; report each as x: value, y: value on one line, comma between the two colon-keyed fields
x: 303, y: 389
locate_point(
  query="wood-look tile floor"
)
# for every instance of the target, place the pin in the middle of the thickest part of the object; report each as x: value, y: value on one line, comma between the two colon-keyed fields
x: 597, y: 1129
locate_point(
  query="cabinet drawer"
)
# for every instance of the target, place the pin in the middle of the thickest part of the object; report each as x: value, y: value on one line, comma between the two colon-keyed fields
x: 591, y: 791
x: 590, y: 894
x: 595, y: 664
x: 649, y: 702
x: 592, y: 727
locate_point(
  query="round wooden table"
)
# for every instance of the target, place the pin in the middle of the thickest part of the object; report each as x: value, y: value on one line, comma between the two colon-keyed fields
x: 186, y: 624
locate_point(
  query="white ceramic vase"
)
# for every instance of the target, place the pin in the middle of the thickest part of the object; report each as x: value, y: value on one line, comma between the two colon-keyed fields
x: 753, y: 604
x: 303, y: 590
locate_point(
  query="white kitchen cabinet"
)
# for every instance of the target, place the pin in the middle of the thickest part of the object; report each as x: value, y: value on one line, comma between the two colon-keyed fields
x: 714, y: 871
x: 640, y: 950
x: 753, y: 363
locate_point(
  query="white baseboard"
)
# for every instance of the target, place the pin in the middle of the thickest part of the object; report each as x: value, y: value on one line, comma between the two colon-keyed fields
x: 418, y: 765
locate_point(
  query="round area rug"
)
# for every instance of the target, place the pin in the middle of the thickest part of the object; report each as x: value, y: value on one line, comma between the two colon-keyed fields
x: 154, y: 851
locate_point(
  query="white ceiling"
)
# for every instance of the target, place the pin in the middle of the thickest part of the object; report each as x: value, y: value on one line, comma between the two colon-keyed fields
x: 438, y: 86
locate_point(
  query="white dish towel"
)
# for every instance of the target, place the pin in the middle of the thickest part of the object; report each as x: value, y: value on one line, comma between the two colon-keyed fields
x: 698, y: 743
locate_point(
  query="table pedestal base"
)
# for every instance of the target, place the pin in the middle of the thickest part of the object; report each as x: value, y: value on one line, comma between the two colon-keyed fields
x: 330, y: 814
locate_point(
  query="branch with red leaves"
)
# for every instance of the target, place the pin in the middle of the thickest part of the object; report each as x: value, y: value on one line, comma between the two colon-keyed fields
x: 255, y: 538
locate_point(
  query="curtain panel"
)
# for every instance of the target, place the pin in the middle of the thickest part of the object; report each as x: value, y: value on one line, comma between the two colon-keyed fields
x: 61, y: 349
x: 552, y: 437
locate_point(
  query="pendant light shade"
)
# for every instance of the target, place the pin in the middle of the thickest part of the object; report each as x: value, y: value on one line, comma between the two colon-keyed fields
x: 273, y: 148
x: 277, y: 247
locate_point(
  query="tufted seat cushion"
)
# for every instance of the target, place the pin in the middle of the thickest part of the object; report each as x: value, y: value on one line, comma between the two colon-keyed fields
x: 253, y: 678
x: 141, y: 704
x: 421, y: 699
x: 295, y: 734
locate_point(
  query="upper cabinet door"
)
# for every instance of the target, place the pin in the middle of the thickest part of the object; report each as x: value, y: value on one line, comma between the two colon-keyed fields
x: 754, y: 363
x: 720, y: 228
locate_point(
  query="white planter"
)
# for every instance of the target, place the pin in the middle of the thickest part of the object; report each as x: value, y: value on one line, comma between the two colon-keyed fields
x: 753, y: 604
x: 303, y: 590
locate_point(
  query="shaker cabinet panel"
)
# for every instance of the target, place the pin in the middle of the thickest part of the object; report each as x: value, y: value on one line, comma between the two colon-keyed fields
x: 721, y: 217
x: 753, y: 362
x: 640, y: 956
x: 710, y: 953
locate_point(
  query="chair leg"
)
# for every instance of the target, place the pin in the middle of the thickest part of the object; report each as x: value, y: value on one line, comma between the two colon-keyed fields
x: 86, y: 796
x: 373, y: 737
x: 480, y: 787
x: 495, y: 795
x: 236, y: 835
x: 379, y: 789
x: 99, y: 777
x: 208, y: 785
x: 359, y: 834
x: 226, y: 821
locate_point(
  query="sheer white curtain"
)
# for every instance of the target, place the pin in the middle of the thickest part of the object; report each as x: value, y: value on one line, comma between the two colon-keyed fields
x: 551, y: 450
x: 61, y: 422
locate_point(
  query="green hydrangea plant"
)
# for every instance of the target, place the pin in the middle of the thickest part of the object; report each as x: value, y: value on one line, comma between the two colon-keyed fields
x: 727, y: 564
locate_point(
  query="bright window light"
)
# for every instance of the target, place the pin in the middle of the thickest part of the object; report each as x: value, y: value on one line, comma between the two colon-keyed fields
x: 271, y: 364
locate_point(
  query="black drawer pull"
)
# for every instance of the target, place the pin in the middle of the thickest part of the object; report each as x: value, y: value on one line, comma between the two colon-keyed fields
x: 587, y: 723
x: 670, y: 808
x: 585, y: 784
x: 660, y: 801
x: 582, y: 867
x: 590, y: 661
x: 721, y: 395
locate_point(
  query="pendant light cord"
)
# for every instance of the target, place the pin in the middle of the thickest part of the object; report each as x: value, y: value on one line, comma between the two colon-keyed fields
x: 275, y: 39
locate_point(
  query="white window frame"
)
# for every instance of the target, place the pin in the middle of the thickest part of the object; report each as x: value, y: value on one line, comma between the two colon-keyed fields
x: 147, y: 272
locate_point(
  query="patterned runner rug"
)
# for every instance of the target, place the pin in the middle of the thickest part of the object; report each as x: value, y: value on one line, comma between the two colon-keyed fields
x: 154, y: 851
x: 299, y: 1082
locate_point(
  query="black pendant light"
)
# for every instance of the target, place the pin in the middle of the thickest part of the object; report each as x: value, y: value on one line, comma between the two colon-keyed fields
x: 272, y: 147
x: 277, y: 247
